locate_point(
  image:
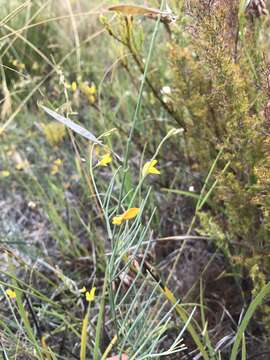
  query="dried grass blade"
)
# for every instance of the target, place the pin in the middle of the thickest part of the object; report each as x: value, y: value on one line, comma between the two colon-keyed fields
x: 72, y: 125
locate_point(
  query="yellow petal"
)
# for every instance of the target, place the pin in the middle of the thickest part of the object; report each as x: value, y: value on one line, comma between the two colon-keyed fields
x: 21, y: 66
x: 87, y: 90
x: 145, y: 168
x: 117, y: 220
x: 11, y: 293
x: 153, y: 170
x: 54, y: 170
x: 22, y: 165
x: 105, y: 160
x: 56, y: 166
x: 73, y: 86
x: 92, y: 89
x: 130, y: 213
x: 149, y: 168
x: 4, y: 173
x: 58, y: 162
x: 90, y: 295
x: 153, y: 163
x: 84, y: 88
x: 83, y: 290
x: 91, y: 99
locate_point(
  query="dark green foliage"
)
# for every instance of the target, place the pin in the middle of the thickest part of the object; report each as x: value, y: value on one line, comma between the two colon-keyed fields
x: 217, y: 71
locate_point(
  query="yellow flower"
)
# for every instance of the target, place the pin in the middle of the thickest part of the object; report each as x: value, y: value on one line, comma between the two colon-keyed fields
x: 88, y: 90
x: 73, y: 86
x: 83, y: 290
x: 11, y: 294
x: 130, y: 213
x: 92, y: 89
x: 106, y: 159
x: 56, y: 166
x: 19, y: 65
x: 150, y: 168
x: 91, y: 99
x: 127, y: 215
x: 4, y: 173
x: 117, y: 220
x: 90, y: 295
x: 57, y: 162
x: 22, y: 165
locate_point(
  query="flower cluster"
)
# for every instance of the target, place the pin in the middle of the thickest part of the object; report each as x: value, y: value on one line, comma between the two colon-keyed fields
x: 56, y: 166
x: 88, y: 90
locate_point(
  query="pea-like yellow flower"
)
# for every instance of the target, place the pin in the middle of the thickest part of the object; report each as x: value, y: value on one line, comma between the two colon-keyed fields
x: 90, y: 295
x: 150, y: 168
x: 19, y: 65
x: 117, y: 220
x: 56, y: 166
x: 88, y: 90
x: 130, y: 213
x: 22, y: 165
x: 73, y: 86
x: 91, y: 99
x: 11, y: 294
x: 92, y: 89
x: 106, y: 159
x: 127, y: 215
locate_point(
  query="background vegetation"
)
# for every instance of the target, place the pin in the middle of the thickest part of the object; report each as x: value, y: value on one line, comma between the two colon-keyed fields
x: 155, y: 243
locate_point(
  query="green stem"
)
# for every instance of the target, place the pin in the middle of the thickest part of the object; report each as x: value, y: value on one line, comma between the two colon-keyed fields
x: 137, y: 111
